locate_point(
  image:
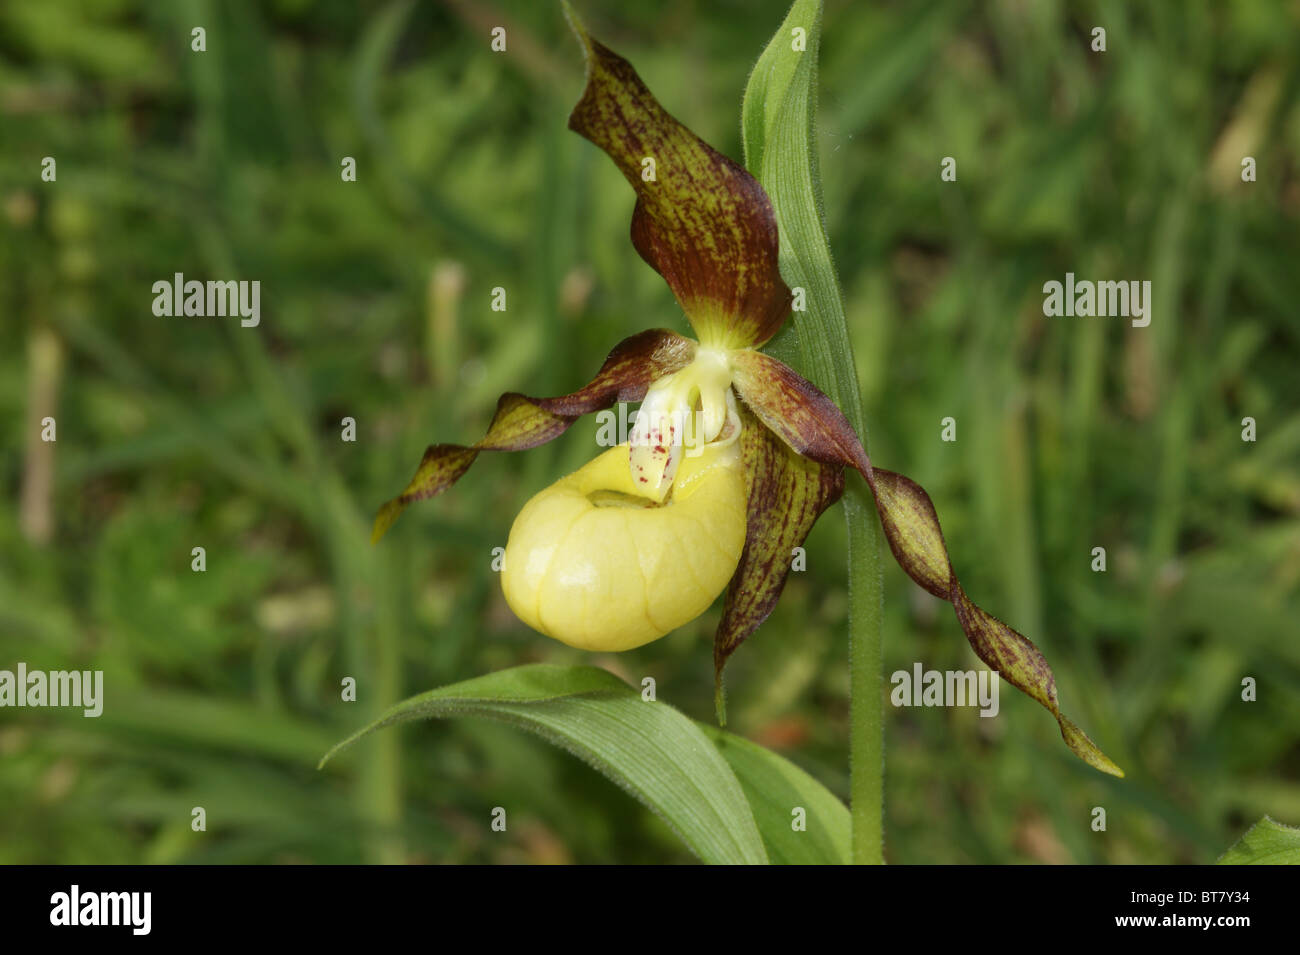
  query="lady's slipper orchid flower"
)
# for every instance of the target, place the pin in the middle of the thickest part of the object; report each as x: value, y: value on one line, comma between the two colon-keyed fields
x: 733, y: 456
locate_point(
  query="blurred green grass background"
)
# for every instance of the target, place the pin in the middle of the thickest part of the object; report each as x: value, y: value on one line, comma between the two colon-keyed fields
x: 222, y: 688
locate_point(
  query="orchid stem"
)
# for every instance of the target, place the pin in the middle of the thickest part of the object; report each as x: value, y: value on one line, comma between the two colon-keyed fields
x: 866, y: 680
x: 825, y: 357
x: 778, y: 118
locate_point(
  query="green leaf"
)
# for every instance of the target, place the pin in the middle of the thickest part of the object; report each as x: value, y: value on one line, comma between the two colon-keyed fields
x: 650, y: 749
x: 775, y: 788
x: 777, y: 120
x: 1267, y: 842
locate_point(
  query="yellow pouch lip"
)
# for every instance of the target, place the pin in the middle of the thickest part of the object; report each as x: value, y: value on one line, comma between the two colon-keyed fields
x: 614, y: 578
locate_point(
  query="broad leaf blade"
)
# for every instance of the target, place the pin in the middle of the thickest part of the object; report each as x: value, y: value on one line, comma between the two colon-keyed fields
x: 1267, y: 842
x: 775, y: 788
x: 650, y: 749
x: 777, y: 119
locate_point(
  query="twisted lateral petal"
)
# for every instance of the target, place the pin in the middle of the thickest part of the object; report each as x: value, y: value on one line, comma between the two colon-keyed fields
x: 811, y: 424
x: 521, y: 422
x: 787, y: 493
x: 701, y: 221
x: 912, y: 528
x: 797, y: 410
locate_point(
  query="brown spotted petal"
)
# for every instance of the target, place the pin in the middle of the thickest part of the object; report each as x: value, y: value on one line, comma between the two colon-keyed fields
x: 809, y: 421
x: 521, y: 422
x: 796, y: 410
x: 701, y: 221
x: 787, y: 493
x: 912, y: 529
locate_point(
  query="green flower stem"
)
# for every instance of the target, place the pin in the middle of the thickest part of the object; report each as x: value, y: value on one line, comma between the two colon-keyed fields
x: 866, y: 680
x: 777, y: 119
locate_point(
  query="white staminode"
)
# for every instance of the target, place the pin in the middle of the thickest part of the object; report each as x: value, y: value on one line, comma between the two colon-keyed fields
x: 685, y: 410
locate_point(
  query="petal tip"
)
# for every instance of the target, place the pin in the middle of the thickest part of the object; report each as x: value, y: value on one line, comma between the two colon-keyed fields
x: 387, y: 515
x: 576, y: 25
x: 1088, y: 751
